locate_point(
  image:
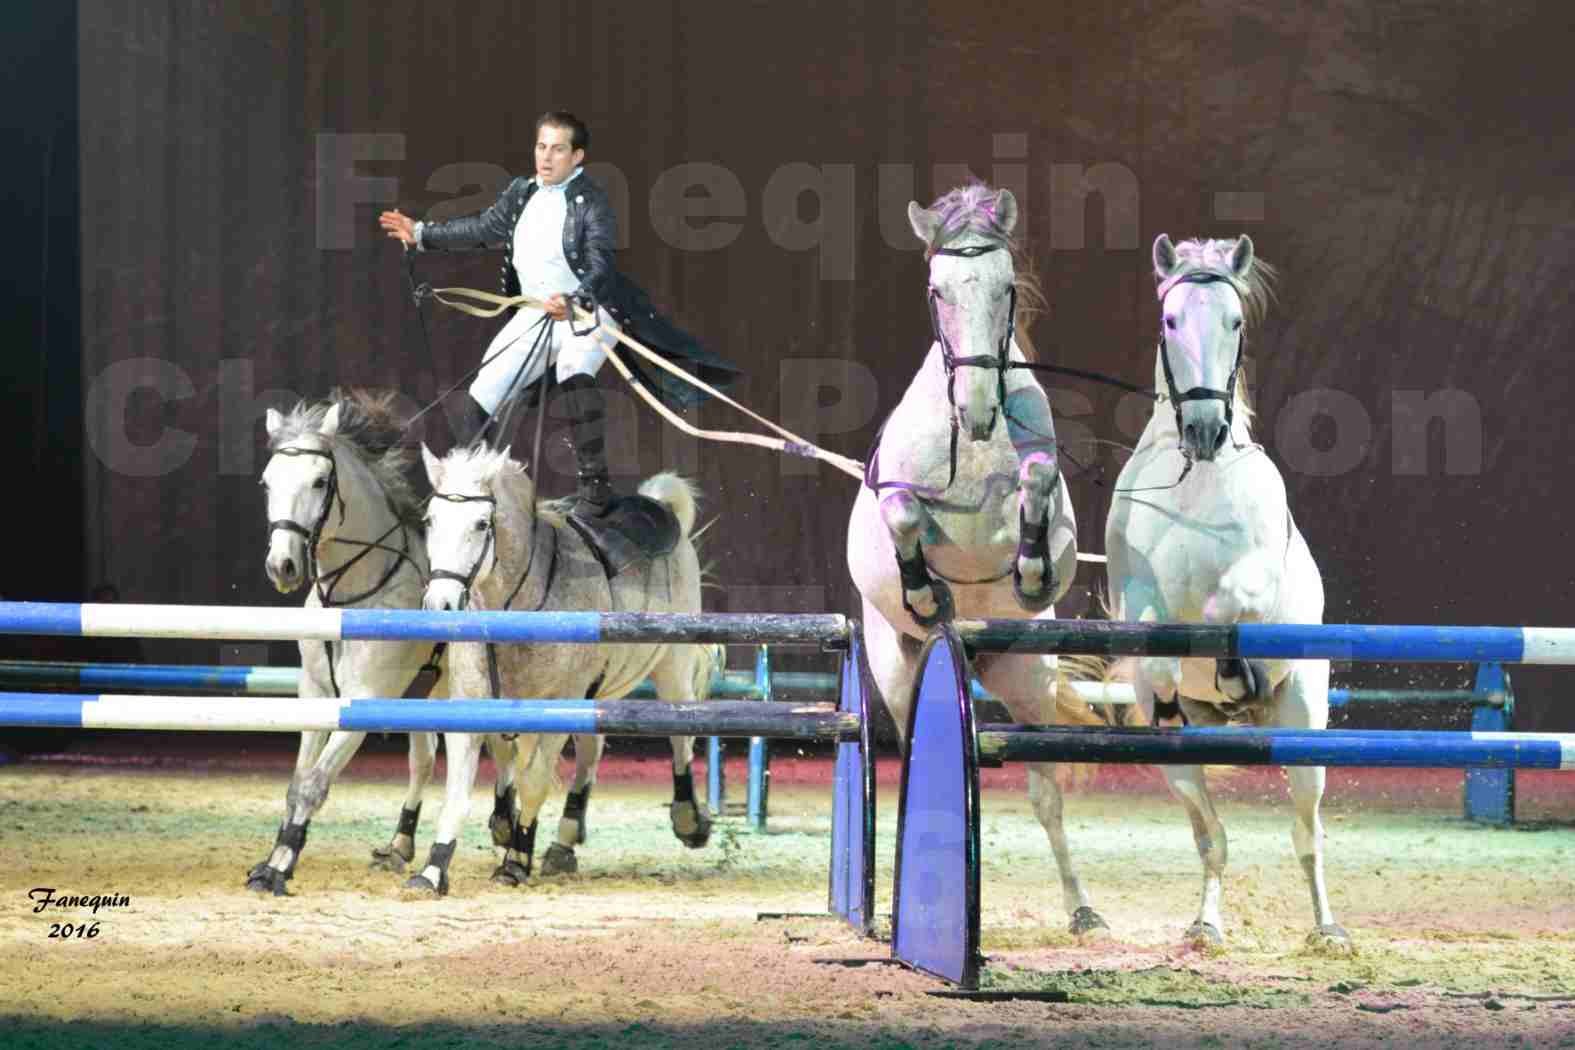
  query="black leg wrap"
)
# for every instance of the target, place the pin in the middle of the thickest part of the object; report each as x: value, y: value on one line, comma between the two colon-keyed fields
x: 439, y: 857
x: 390, y: 857
x: 914, y: 572
x: 518, y: 860
x: 684, y: 786
x: 293, y: 836
x: 1034, y: 542
x: 574, y: 808
x: 264, y: 878
x: 524, y: 840
x: 915, y: 577
x: 685, y: 807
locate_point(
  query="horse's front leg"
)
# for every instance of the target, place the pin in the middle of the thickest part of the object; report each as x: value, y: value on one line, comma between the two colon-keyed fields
x: 401, y: 849
x: 464, y: 754
x: 1301, y: 701
x: 678, y: 679
x: 518, y: 841
x: 928, y: 600
x: 308, y: 791
x: 587, y: 756
x: 1036, y: 583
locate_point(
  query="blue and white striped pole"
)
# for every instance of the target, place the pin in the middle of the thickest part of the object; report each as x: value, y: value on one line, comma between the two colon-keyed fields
x: 611, y: 717
x: 1276, y: 641
x: 1413, y: 749
x: 264, y: 623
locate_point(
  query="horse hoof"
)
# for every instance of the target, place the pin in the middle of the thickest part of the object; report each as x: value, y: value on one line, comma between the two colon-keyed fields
x: 1041, y: 599
x: 511, y: 873
x: 1331, y: 939
x: 694, y: 832
x: 421, y: 885
x: 1205, y: 936
x: 559, y: 860
x: 1087, y: 924
x: 263, y: 879
x: 945, y: 608
x: 387, y: 858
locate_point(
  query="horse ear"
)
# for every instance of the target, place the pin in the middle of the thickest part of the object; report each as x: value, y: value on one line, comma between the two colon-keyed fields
x: 1005, y: 210
x: 273, y: 422
x: 330, y: 425
x: 1241, y: 257
x: 1164, y: 256
x: 925, y: 223
x: 434, y: 467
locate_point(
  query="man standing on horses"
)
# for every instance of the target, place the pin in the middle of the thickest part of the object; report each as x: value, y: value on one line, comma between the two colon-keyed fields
x: 559, y: 234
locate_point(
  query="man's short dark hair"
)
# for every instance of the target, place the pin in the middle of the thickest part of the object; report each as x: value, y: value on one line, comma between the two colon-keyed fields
x: 579, y: 134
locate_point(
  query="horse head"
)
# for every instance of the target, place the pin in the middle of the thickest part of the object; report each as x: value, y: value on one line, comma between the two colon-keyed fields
x: 1205, y: 292
x: 468, y: 519
x: 972, y: 297
x: 302, y: 482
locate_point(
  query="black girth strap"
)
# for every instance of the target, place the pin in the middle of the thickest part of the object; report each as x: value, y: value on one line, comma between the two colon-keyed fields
x: 493, y: 678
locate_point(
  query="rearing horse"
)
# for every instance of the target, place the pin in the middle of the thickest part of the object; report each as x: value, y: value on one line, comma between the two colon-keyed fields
x: 963, y: 511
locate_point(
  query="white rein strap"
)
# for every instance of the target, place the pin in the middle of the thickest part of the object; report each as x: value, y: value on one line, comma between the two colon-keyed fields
x: 790, y: 443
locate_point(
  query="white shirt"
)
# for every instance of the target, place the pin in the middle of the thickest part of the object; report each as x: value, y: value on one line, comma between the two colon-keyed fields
x: 538, y: 242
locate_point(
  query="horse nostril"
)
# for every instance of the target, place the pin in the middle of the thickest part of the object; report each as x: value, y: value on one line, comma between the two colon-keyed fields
x: 289, y: 567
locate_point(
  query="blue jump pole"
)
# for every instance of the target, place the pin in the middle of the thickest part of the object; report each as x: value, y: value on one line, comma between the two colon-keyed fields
x: 611, y: 717
x: 264, y: 623
x: 1281, y: 641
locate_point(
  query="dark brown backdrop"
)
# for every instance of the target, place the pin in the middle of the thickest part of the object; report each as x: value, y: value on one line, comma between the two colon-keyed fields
x: 1406, y: 164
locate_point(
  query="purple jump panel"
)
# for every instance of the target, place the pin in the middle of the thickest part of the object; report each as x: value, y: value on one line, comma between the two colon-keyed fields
x: 935, y: 903
x: 852, y: 894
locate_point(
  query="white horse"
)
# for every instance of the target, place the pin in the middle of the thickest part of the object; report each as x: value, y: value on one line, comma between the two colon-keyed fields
x: 1200, y: 532
x: 343, y: 518
x: 494, y: 547
x: 963, y: 511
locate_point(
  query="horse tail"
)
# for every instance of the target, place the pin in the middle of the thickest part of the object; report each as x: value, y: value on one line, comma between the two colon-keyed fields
x: 679, y: 495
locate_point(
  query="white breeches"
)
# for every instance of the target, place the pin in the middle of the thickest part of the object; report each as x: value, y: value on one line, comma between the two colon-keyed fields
x: 571, y: 354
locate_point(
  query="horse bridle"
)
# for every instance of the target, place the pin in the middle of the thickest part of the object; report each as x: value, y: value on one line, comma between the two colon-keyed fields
x: 467, y: 579
x: 1000, y: 361
x: 1200, y: 393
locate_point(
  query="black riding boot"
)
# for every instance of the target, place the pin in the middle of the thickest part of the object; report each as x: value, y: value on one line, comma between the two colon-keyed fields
x: 588, y: 427
x: 471, y: 423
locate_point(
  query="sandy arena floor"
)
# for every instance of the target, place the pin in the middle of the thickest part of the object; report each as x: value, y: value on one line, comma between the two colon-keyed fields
x: 1466, y: 935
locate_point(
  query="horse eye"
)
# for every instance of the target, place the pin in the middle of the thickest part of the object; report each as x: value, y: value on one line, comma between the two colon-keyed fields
x: 320, y: 483
x: 1170, y: 322
x: 483, y: 526
x: 1235, y: 325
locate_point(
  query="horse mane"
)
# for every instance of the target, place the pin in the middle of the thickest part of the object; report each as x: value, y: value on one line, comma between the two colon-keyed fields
x: 970, y: 208
x: 371, y: 430
x: 1257, y: 291
x: 485, y: 461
